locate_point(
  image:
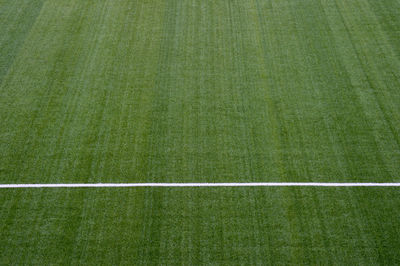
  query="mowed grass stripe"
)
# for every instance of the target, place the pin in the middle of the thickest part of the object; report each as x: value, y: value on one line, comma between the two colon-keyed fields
x: 376, y: 117
x: 16, y: 18
x: 387, y: 15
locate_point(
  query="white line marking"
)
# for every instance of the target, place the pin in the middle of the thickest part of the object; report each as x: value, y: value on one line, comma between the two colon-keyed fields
x: 261, y: 184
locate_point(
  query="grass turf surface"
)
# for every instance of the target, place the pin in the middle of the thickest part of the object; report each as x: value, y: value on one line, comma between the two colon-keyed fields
x: 200, y: 91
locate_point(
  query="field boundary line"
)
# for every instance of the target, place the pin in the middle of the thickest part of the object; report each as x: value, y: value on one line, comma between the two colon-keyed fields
x: 248, y: 184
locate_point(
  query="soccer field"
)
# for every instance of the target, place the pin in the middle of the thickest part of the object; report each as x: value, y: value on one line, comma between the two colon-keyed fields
x: 199, y: 91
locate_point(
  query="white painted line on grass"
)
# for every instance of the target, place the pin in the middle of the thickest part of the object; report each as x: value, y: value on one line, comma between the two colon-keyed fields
x: 259, y: 184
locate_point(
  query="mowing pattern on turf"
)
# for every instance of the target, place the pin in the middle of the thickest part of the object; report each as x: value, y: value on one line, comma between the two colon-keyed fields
x: 210, y: 91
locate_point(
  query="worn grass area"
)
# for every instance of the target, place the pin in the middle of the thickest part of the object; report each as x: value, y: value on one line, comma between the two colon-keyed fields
x: 200, y: 91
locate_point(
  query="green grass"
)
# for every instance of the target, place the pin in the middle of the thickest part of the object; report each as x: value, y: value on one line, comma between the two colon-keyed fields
x: 201, y: 226
x: 200, y: 91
